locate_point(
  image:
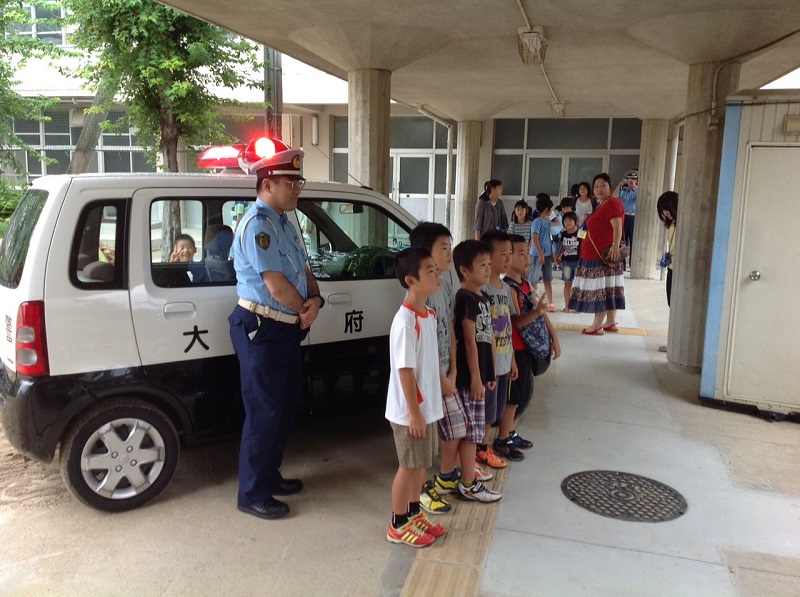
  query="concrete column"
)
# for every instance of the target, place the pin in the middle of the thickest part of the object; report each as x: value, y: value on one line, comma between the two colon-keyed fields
x: 697, y: 210
x: 467, y: 190
x: 368, y: 128
x: 652, y: 163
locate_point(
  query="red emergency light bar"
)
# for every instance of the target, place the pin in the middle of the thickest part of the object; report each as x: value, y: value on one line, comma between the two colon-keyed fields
x: 220, y: 156
x: 240, y: 156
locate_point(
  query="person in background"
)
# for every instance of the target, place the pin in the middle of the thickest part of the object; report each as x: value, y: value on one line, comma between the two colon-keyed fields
x: 555, y: 233
x: 667, y: 207
x: 541, y: 248
x: 489, y: 211
x: 626, y: 191
x: 568, y: 255
x: 584, y: 204
x: 520, y: 220
x: 599, y: 286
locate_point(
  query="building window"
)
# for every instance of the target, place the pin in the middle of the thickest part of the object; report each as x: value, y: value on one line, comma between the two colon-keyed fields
x: 44, y: 22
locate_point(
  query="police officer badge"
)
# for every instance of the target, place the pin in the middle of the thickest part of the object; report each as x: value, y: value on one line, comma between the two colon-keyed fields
x: 263, y: 240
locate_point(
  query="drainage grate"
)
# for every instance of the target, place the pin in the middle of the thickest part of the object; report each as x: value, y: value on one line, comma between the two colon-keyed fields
x: 624, y: 496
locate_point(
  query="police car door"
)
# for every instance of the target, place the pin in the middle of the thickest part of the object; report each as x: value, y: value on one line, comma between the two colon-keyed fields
x: 351, y: 237
x: 180, y: 304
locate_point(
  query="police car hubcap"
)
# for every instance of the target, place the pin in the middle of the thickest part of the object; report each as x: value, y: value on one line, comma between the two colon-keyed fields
x: 122, y: 458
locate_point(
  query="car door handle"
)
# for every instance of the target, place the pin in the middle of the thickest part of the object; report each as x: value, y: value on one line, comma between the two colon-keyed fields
x: 340, y: 298
x: 179, y: 309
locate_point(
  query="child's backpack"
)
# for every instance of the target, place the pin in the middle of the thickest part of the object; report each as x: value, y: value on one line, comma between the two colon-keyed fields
x: 534, y: 334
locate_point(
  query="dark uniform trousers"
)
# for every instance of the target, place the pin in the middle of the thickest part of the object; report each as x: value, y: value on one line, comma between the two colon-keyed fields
x: 271, y: 370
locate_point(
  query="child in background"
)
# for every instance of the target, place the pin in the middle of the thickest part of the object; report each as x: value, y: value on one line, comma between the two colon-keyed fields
x: 503, y: 308
x: 529, y: 308
x: 520, y: 220
x: 555, y: 231
x: 541, y: 249
x: 474, y: 358
x: 413, y: 401
x: 568, y: 255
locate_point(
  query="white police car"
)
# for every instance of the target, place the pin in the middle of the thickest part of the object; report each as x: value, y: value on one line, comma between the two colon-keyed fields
x: 116, y: 353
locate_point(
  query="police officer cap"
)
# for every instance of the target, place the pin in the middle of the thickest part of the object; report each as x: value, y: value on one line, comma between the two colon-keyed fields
x: 271, y: 157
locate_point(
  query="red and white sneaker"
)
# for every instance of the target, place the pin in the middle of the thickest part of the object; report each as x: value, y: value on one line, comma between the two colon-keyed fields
x: 425, y: 525
x: 410, y: 534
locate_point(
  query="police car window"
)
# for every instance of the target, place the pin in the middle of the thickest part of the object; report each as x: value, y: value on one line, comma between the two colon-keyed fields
x: 190, y: 241
x: 95, y: 262
x: 346, y: 240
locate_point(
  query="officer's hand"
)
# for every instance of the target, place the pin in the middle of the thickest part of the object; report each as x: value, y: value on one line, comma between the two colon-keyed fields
x: 310, y: 312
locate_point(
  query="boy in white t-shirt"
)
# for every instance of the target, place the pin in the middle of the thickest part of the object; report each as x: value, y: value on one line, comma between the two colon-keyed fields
x: 414, y: 398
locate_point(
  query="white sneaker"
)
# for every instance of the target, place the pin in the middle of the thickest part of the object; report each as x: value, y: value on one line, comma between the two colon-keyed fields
x: 478, y: 492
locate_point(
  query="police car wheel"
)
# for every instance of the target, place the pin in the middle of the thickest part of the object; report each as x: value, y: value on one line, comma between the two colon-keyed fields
x: 119, y: 455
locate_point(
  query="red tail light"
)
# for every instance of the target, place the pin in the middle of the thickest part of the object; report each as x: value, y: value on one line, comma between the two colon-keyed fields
x: 31, y: 341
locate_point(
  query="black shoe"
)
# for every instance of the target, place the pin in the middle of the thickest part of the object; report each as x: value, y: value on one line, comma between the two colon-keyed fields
x: 287, y: 487
x: 506, y: 449
x: 520, y: 442
x: 271, y: 509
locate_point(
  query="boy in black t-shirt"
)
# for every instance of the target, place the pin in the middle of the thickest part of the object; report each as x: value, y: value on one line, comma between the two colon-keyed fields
x: 474, y: 357
x: 568, y: 255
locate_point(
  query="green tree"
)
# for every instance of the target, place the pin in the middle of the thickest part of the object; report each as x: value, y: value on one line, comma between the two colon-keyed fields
x: 16, y: 48
x: 165, y: 66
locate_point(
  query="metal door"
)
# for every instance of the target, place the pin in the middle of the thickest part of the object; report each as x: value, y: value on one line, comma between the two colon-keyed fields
x: 763, y: 344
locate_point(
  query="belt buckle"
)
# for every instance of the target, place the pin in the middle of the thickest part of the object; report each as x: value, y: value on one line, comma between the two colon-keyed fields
x: 253, y: 306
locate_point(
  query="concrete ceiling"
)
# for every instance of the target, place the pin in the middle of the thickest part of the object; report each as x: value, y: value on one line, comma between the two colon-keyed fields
x: 459, y: 58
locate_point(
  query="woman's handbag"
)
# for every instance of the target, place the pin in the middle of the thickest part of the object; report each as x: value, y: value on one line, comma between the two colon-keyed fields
x: 623, y: 255
x: 605, y: 254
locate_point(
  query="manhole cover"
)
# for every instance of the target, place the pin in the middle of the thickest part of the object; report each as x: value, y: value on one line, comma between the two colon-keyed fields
x: 624, y: 496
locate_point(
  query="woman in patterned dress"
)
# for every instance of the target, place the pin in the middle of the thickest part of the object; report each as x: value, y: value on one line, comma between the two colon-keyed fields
x: 599, y: 288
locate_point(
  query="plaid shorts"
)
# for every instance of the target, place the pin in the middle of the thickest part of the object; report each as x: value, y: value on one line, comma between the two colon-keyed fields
x: 476, y: 416
x: 454, y: 423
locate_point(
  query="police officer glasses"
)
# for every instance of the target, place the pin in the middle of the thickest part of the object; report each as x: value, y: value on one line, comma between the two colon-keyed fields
x: 297, y: 184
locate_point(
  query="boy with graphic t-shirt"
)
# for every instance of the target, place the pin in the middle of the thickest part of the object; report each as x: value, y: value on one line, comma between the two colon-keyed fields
x: 413, y: 401
x: 568, y: 256
x: 474, y: 357
x: 503, y: 308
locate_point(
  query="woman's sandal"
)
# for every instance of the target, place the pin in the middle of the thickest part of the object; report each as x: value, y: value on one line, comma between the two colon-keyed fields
x: 611, y: 328
x: 597, y: 332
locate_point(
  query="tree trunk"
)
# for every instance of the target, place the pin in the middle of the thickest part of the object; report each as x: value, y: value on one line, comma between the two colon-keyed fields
x: 171, y: 217
x: 87, y: 142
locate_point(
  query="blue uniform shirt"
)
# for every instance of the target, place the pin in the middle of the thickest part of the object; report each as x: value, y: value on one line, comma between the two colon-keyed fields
x: 264, y: 242
x: 628, y: 198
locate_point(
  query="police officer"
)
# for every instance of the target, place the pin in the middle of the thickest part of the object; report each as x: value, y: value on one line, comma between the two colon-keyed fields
x: 278, y: 301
